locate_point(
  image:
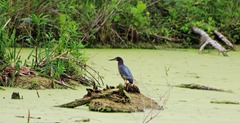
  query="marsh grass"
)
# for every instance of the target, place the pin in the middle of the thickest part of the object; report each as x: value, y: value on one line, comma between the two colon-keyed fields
x: 51, y: 57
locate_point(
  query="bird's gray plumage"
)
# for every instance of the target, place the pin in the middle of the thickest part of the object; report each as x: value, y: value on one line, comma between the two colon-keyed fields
x: 125, y: 73
x: 124, y: 70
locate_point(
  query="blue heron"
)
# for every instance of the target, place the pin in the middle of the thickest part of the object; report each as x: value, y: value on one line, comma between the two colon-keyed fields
x: 123, y: 70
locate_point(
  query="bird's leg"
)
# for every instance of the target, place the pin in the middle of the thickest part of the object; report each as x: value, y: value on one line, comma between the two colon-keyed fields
x: 125, y: 82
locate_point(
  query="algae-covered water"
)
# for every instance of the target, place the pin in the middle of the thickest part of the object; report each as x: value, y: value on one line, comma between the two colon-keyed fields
x: 154, y: 71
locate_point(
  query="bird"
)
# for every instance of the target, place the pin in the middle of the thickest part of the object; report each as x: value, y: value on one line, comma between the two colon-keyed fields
x: 123, y: 70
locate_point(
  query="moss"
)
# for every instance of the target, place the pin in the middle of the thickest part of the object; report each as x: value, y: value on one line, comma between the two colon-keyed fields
x: 107, y: 105
x: 114, y: 100
x: 38, y: 82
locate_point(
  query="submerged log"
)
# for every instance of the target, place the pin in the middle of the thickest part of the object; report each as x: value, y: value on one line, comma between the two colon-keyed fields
x: 114, y: 100
x: 207, y: 40
x: 225, y: 102
x: 202, y: 87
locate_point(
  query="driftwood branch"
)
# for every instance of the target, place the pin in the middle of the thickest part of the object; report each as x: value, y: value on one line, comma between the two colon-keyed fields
x: 223, y: 38
x: 208, y: 40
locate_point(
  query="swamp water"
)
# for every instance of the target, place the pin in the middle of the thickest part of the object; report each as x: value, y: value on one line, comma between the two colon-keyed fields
x: 154, y: 71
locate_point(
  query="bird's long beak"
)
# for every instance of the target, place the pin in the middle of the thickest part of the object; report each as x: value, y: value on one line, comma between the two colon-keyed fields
x: 113, y: 59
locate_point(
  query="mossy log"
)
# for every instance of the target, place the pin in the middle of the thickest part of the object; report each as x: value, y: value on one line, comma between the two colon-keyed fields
x: 202, y: 87
x: 113, y: 99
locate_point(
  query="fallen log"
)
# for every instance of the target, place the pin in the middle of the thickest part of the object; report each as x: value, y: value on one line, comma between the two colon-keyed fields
x: 207, y: 40
x: 114, y: 100
x: 225, y: 102
x: 202, y: 87
x: 223, y: 38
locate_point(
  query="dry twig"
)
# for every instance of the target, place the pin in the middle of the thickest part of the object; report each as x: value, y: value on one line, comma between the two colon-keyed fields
x: 28, y: 119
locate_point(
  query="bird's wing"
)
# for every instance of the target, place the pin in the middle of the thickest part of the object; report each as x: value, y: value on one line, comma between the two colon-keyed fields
x: 125, y: 72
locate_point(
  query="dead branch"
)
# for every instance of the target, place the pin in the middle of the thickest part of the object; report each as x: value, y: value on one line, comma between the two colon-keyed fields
x: 44, y: 60
x: 6, y: 23
x: 83, y: 66
x: 151, y: 114
x: 223, y: 38
x: 153, y: 3
x: 28, y: 119
x: 168, y: 39
x: 114, y: 31
x: 207, y: 40
x: 102, y: 24
x: 93, y: 25
x: 64, y: 84
x: 96, y: 73
x: 37, y: 93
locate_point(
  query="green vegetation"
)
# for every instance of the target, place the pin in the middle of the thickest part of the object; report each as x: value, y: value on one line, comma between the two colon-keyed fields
x: 57, y: 30
x: 116, y: 23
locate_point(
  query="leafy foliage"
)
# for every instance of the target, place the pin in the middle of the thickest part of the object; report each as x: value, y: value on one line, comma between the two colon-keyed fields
x: 118, y: 23
x: 57, y: 28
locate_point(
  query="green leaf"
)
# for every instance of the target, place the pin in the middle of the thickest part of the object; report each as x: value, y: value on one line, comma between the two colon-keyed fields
x: 62, y: 18
x: 141, y: 6
x: 134, y: 11
x: 29, y: 20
